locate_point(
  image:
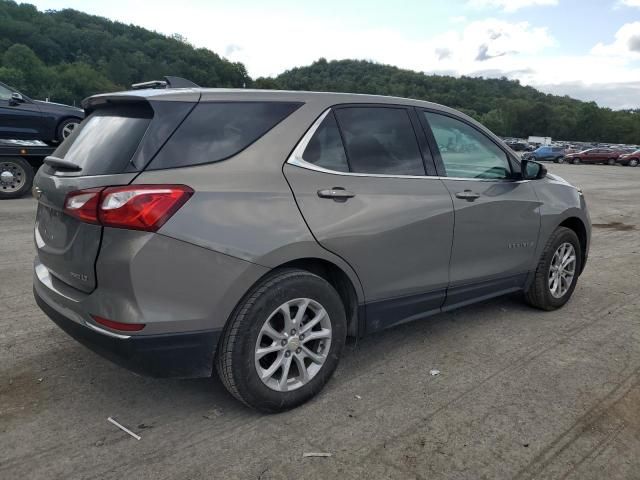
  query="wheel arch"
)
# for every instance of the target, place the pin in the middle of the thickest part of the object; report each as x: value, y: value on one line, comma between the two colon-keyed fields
x: 339, y: 280
x: 578, y: 226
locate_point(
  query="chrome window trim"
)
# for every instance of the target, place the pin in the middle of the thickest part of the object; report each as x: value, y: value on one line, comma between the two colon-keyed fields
x: 296, y: 159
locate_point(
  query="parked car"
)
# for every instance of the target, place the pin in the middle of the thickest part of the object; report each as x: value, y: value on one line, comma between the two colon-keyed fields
x: 517, y: 146
x: 555, y: 154
x: 22, y: 118
x: 630, y: 159
x: 183, y: 229
x: 594, y: 155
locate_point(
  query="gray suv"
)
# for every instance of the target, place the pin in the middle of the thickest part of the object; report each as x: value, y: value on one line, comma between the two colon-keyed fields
x: 183, y: 230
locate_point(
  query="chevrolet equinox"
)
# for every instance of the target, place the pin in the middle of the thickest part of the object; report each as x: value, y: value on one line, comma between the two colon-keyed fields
x: 182, y: 230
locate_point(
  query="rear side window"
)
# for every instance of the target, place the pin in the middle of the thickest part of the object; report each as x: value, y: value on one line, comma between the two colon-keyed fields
x: 107, y: 139
x: 380, y: 140
x: 215, y: 131
x: 325, y: 147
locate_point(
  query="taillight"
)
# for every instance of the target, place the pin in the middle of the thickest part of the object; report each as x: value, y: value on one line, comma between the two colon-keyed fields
x: 137, y: 207
x: 123, y: 327
x: 83, y: 204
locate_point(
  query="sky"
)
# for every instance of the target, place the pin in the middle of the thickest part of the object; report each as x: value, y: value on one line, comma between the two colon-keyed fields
x: 587, y: 49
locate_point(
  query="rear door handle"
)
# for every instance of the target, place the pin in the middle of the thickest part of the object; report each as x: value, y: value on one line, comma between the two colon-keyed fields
x: 338, y: 194
x: 468, y: 195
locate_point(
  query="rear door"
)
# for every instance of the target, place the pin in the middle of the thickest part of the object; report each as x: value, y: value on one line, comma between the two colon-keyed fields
x: 360, y: 182
x: 497, y: 217
x: 109, y: 148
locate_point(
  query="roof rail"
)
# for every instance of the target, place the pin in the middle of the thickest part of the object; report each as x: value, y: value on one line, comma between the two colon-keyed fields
x: 168, y: 82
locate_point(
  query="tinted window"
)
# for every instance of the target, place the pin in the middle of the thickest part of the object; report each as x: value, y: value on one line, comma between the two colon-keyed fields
x: 466, y: 152
x: 106, y: 140
x: 325, y: 148
x: 380, y: 140
x: 215, y: 131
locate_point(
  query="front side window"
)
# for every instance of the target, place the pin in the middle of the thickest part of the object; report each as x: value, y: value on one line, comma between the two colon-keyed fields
x: 380, y: 140
x: 325, y: 148
x: 5, y: 93
x: 466, y: 152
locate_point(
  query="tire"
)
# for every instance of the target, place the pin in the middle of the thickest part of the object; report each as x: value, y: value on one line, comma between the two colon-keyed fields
x: 633, y: 162
x: 611, y: 161
x: 575, y: 161
x: 66, y: 127
x: 539, y: 294
x: 236, y: 359
x: 16, y: 177
x: 559, y: 160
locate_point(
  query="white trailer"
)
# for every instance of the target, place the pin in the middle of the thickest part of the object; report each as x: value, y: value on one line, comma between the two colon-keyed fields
x: 539, y: 140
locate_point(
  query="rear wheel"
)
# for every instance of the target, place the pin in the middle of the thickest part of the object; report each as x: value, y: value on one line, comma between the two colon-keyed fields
x: 576, y: 161
x: 66, y: 128
x: 633, y: 162
x: 16, y: 177
x: 611, y: 161
x: 283, y: 341
x: 557, y: 271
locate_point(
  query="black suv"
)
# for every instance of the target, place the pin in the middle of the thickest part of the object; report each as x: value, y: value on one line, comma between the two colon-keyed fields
x: 22, y: 118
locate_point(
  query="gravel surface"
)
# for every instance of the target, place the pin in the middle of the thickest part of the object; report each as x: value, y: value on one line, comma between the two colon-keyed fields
x: 520, y: 393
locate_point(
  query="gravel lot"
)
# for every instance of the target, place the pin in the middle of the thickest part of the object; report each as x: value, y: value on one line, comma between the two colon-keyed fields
x: 522, y: 393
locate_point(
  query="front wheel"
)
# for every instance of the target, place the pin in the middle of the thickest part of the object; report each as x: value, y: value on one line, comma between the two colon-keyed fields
x: 633, y: 162
x: 283, y: 342
x: 16, y: 177
x: 557, y: 271
x: 576, y: 161
x: 559, y: 160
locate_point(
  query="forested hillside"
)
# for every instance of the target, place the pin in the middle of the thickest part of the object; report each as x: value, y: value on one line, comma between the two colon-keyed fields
x: 505, y: 106
x: 67, y: 55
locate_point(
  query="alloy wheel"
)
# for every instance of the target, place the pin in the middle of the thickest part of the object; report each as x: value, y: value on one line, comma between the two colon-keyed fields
x: 293, y: 344
x: 562, y: 270
x: 68, y: 129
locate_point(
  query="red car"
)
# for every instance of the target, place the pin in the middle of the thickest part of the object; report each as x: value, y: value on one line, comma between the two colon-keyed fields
x: 595, y: 155
x: 630, y: 159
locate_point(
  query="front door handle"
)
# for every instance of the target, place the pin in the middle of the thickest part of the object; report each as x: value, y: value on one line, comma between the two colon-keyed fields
x: 338, y: 194
x: 468, y: 195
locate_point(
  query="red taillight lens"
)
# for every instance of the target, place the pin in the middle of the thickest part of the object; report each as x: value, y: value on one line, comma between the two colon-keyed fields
x: 83, y: 204
x: 138, y: 207
x: 141, y: 207
x: 123, y: 327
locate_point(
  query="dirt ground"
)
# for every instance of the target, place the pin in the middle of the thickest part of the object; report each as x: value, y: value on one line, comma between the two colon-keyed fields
x: 522, y: 393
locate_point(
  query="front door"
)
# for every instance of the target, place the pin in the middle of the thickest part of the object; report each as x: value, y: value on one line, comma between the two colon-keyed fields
x: 497, y: 217
x: 359, y: 179
x: 18, y: 120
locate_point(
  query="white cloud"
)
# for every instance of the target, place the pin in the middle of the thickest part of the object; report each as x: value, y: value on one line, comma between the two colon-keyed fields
x: 512, y: 5
x: 625, y: 45
x: 629, y: 3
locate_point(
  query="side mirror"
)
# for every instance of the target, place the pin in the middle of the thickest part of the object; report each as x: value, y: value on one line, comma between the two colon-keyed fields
x: 532, y: 170
x: 16, y: 98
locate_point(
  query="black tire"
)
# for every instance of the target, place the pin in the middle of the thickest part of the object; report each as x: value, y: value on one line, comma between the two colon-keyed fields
x: 235, y: 356
x: 559, y: 160
x: 611, y: 161
x: 21, y: 179
x: 575, y: 161
x: 61, y: 130
x: 539, y: 295
x: 633, y: 162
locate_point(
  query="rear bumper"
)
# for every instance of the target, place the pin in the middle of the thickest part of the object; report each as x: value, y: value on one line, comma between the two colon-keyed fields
x: 182, y: 355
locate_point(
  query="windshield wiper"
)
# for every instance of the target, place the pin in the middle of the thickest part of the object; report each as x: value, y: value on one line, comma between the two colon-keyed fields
x: 62, y: 164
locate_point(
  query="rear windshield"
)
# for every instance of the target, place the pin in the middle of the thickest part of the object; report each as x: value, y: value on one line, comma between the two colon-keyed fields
x: 107, y: 139
x: 215, y: 131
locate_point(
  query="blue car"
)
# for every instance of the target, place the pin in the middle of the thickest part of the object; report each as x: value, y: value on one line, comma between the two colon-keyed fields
x: 555, y: 154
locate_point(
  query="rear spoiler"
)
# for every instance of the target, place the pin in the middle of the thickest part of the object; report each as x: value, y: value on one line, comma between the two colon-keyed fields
x: 168, y: 82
